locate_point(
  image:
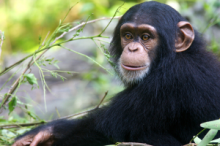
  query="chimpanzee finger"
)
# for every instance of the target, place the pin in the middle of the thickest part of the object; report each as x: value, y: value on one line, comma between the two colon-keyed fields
x: 25, y: 141
x: 41, y: 138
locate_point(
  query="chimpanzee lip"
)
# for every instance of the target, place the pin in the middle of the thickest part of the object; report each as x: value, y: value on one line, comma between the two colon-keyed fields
x: 129, y: 67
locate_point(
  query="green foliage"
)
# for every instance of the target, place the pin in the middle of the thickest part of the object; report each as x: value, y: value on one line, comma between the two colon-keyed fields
x: 47, y: 61
x: 31, y: 79
x: 214, y: 126
x: 12, y: 104
x: 208, y: 137
x: 107, y: 55
x: 27, y: 25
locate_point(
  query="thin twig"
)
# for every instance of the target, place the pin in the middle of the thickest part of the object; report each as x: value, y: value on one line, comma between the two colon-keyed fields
x: 88, y: 58
x: 111, y: 20
x: 85, y: 112
x: 57, y: 112
x: 132, y: 144
x: 8, y: 126
x: 2, y: 38
x: 80, y: 25
x: 197, y: 135
x: 45, y: 39
x: 102, y: 99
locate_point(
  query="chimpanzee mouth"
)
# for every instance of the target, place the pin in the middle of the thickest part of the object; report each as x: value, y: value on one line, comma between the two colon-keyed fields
x: 133, y: 68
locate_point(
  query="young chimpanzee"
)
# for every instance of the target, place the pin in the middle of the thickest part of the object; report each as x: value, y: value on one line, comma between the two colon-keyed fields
x: 172, y: 85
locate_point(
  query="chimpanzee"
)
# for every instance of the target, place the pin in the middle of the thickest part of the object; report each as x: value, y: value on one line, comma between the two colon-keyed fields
x: 172, y: 85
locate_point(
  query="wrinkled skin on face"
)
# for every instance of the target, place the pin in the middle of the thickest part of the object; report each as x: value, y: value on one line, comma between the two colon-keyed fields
x: 137, y: 42
x: 140, y: 43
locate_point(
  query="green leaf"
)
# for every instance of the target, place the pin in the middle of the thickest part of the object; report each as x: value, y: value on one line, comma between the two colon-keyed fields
x: 49, y: 60
x: 77, y: 32
x: 3, y: 99
x: 212, y: 124
x: 55, y: 64
x: 62, y: 78
x: 8, y: 133
x: 21, y: 131
x: 54, y: 74
x: 31, y: 115
x: 39, y: 38
x: 215, y: 141
x: 12, y: 104
x: 197, y: 140
x: 2, y: 120
x: 31, y: 79
x: 208, y: 137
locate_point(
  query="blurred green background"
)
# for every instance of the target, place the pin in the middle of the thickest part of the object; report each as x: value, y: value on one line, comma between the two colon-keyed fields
x: 23, y: 21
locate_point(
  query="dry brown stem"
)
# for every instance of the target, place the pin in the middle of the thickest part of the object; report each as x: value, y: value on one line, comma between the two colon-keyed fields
x: 132, y: 144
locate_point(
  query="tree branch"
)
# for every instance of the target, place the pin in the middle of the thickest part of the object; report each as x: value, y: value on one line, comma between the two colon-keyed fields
x: 9, y: 126
x: 82, y: 24
x: 133, y: 144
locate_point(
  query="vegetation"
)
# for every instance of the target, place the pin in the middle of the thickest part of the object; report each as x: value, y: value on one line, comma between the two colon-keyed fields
x: 30, y: 28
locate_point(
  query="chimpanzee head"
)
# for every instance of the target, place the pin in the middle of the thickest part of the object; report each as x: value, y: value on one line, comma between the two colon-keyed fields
x: 145, y: 35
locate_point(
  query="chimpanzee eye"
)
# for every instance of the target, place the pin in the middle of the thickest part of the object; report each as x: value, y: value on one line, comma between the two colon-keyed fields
x: 128, y: 36
x: 145, y: 37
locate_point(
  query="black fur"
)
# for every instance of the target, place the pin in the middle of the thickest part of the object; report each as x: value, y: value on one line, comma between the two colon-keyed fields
x: 165, y: 109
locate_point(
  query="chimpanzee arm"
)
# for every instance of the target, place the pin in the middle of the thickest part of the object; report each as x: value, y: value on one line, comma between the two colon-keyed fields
x: 78, y: 132
x: 83, y: 132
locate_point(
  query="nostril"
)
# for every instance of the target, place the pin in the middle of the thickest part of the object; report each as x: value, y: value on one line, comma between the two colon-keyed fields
x: 133, y: 49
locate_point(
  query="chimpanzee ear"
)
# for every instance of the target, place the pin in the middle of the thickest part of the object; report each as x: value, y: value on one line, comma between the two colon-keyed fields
x: 185, y: 37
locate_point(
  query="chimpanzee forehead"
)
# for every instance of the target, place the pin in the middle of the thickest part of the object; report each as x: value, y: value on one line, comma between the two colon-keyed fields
x: 152, y: 13
x: 130, y: 26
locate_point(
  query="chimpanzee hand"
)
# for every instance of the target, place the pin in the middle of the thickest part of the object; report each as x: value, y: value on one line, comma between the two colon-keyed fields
x: 43, y: 138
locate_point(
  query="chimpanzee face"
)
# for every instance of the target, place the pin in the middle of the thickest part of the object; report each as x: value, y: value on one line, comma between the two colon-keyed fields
x: 137, y: 42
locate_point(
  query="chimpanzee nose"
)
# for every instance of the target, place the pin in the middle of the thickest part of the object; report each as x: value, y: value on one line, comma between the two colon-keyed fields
x: 133, y: 47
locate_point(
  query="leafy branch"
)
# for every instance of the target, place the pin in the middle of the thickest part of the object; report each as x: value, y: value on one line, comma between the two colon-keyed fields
x: 8, y: 126
x: 57, y: 44
x: 48, y: 44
